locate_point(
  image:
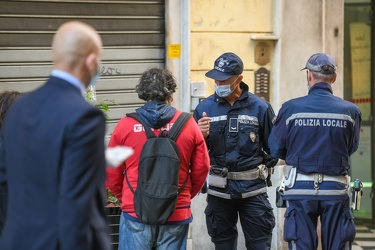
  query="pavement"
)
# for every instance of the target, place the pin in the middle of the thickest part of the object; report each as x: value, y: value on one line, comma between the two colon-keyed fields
x: 364, y: 240
x: 365, y: 237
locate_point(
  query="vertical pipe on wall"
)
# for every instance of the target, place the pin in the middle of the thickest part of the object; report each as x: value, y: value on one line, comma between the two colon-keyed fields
x: 173, y: 37
x: 275, y: 98
x: 324, y: 26
x: 277, y: 236
x: 373, y: 105
x: 177, y: 26
x: 185, y: 100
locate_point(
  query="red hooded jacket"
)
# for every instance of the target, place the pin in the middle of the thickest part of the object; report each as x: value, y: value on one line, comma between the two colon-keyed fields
x: 193, y: 157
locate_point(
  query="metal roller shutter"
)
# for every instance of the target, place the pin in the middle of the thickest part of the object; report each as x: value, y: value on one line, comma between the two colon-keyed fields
x: 133, y: 34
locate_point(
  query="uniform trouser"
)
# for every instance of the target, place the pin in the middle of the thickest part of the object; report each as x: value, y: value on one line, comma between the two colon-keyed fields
x: 337, y: 225
x: 256, y: 217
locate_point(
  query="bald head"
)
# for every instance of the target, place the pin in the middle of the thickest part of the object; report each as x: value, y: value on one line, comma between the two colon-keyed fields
x: 77, y: 49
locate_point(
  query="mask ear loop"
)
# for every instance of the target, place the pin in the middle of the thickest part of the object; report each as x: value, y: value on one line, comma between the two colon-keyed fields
x: 234, y: 80
x: 90, y: 59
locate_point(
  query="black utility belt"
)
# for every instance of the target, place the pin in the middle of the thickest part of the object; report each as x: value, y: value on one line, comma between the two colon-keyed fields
x: 219, y: 176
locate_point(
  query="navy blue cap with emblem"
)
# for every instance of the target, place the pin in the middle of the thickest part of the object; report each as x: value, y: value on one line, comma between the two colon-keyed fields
x: 321, y: 63
x: 225, y: 66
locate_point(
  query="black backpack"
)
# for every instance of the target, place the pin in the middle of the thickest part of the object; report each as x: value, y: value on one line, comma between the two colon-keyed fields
x: 155, y: 197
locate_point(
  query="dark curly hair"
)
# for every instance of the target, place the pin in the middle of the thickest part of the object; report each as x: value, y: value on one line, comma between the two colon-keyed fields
x: 156, y: 84
x: 6, y: 99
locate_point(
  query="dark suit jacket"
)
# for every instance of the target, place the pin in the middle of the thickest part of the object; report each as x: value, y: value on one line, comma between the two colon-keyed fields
x: 3, y: 194
x: 54, y: 162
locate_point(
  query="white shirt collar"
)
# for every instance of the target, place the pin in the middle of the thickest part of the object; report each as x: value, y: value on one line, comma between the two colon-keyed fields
x: 69, y: 78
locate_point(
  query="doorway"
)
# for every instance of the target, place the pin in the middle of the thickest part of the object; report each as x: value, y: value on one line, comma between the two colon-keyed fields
x: 359, y: 89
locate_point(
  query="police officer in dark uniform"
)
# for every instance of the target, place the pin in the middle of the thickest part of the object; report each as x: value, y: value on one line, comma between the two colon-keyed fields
x: 316, y: 134
x: 236, y: 125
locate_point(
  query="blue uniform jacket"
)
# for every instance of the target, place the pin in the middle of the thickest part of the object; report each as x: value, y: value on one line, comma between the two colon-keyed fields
x: 238, y: 134
x: 317, y: 133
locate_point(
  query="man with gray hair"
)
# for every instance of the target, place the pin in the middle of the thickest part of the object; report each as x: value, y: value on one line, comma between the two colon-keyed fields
x: 316, y: 134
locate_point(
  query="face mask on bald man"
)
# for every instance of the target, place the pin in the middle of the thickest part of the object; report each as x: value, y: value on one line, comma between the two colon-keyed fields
x: 95, y: 78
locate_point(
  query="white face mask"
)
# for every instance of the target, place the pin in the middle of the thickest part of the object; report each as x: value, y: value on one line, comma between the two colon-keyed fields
x: 224, y: 90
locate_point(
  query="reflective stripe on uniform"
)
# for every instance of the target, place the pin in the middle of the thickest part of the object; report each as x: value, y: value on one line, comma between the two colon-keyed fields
x: 248, y: 119
x: 311, y: 177
x: 243, y: 118
x: 244, y: 175
x: 320, y: 115
x: 244, y: 195
x: 296, y: 191
x: 218, y: 118
x: 293, y: 243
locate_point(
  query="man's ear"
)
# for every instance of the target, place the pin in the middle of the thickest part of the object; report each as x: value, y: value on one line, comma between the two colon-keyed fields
x: 91, y: 63
x: 334, y: 79
x: 309, y: 76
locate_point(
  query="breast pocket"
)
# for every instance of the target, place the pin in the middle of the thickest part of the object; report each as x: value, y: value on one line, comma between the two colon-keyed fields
x: 217, y: 139
x: 249, y: 139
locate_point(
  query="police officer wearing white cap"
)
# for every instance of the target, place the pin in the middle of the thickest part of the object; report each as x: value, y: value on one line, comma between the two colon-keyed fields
x: 316, y: 134
x: 236, y: 125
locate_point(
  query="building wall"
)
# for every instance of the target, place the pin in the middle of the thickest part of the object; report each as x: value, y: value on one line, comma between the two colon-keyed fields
x: 133, y: 34
x: 228, y: 26
x: 305, y: 27
x: 294, y: 30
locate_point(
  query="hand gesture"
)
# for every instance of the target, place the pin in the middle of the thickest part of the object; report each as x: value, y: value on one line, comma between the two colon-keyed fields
x: 204, y: 124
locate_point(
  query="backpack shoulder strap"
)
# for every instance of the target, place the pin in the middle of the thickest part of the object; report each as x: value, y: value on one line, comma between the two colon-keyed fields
x: 135, y: 116
x: 175, y: 132
x: 178, y: 125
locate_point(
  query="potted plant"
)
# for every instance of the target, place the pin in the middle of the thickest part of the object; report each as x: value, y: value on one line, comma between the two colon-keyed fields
x: 112, y: 201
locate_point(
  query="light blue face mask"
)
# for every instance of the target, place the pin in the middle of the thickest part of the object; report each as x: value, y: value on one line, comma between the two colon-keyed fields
x: 224, y: 90
x: 95, y: 79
